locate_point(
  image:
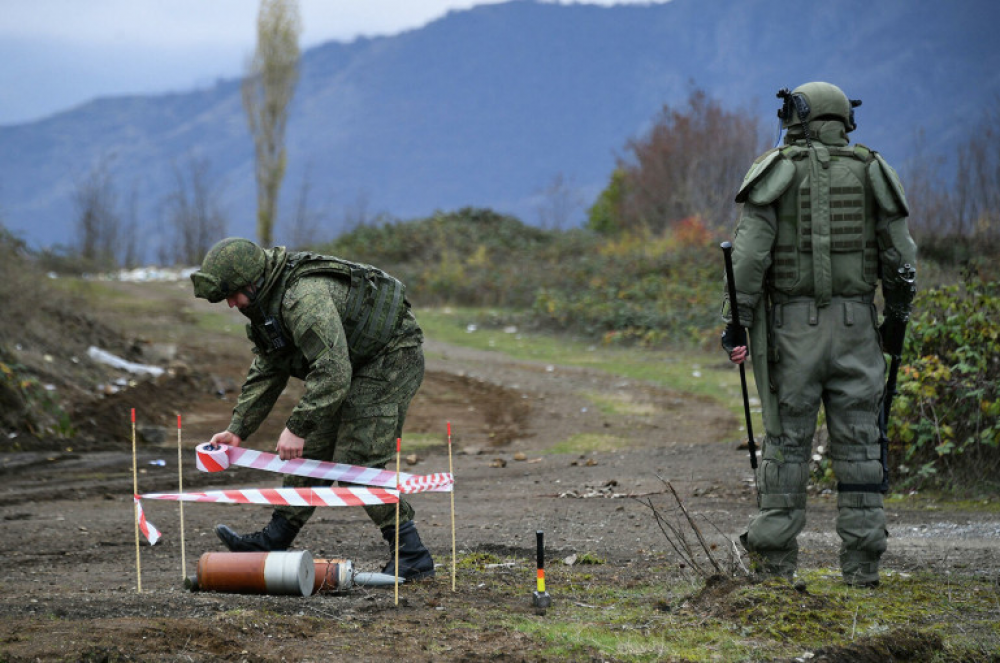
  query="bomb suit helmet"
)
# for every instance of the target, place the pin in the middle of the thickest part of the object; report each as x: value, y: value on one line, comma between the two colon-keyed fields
x: 229, y: 266
x: 815, y: 101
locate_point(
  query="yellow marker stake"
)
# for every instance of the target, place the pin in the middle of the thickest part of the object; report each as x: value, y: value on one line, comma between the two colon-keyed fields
x: 180, y: 490
x: 451, y: 470
x: 135, y: 511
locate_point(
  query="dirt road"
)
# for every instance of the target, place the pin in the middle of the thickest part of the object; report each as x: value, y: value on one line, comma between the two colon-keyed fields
x: 69, y: 585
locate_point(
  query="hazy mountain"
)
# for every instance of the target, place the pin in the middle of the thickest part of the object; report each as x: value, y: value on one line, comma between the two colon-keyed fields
x: 488, y: 106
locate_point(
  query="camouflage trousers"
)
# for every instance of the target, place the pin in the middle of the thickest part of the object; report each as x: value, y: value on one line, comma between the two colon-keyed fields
x: 829, y: 356
x: 365, y: 429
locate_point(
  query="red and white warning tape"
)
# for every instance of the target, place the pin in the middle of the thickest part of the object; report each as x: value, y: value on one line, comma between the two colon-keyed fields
x: 147, y: 528
x: 288, y: 496
x: 218, y: 458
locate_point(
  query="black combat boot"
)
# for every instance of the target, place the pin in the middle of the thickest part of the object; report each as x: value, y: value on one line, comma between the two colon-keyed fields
x: 277, y: 535
x: 415, y: 561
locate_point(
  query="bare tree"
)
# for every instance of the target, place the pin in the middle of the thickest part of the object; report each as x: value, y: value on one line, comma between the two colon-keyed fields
x: 305, y: 220
x: 978, y: 180
x: 194, y: 214
x: 559, y: 201
x: 688, y: 165
x: 358, y: 214
x: 272, y: 74
x: 932, y: 206
x: 955, y: 221
x: 129, y: 246
x: 97, y: 220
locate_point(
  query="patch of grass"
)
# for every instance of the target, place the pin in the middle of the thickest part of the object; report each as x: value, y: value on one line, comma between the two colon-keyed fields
x: 619, y: 404
x: 738, y: 621
x: 476, y: 560
x: 935, y: 500
x: 103, y: 295
x: 629, y: 624
x: 697, y: 372
x: 422, y: 441
x: 218, y: 322
x: 583, y: 443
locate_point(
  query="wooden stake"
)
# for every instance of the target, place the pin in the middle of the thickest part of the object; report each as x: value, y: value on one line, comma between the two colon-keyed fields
x: 180, y: 490
x: 451, y: 471
x: 135, y: 510
x: 395, y: 585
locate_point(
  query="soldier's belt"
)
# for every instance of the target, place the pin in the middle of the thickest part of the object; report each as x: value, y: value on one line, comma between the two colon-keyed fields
x: 782, y: 298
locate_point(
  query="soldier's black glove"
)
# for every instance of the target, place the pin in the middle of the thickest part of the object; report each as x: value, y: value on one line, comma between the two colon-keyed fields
x: 892, y: 333
x: 733, y: 336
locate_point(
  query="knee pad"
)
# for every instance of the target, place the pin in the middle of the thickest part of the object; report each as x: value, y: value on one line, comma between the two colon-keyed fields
x: 782, y: 485
x: 863, y: 472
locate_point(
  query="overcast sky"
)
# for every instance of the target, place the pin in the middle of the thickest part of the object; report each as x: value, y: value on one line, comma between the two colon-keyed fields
x: 56, y: 54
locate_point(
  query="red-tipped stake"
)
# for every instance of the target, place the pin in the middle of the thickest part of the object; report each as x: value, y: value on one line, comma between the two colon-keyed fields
x: 180, y: 490
x: 135, y: 508
x: 451, y: 470
x: 395, y: 585
x: 540, y: 598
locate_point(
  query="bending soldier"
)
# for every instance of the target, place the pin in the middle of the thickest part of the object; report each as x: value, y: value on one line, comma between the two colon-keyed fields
x: 347, y: 331
x: 823, y: 222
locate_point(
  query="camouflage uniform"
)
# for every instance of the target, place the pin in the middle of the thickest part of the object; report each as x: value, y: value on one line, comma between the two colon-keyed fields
x: 345, y: 330
x: 356, y: 395
x: 822, y: 223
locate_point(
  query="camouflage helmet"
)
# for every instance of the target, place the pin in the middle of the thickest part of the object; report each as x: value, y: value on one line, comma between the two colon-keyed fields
x: 817, y: 100
x: 228, y: 267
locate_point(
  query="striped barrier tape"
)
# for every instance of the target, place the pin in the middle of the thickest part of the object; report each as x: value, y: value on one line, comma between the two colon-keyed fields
x: 218, y: 458
x: 388, y: 484
x: 353, y: 496
x: 147, y: 528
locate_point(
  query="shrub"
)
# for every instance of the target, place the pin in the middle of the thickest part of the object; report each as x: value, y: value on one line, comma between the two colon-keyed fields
x: 946, y: 418
x: 638, y: 287
x: 634, y: 287
x: 470, y: 257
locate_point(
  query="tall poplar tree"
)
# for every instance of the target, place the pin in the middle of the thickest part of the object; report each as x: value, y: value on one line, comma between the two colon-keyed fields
x: 272, y: 74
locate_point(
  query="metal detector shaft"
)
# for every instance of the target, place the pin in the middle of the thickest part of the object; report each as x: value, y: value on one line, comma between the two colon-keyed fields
x: 727, y: 252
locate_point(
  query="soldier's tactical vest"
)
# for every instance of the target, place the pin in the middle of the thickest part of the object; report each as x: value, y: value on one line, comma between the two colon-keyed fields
x: 826, y: 243
x: 374, y: 310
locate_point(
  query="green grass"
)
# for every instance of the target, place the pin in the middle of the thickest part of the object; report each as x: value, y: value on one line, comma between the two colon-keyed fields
x: 219, y: 322
x: 584, y: 443
x: 691, y: 371
x: 422, y: 441
x: 102, y: 295
x: 759, y: 622
x: 619, y: 404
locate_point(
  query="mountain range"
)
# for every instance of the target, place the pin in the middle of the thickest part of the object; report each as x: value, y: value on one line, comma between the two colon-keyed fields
x: 495, y: 105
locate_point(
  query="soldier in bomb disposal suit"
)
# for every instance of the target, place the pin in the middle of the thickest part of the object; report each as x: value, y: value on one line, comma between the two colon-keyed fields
x: 823, y: 224
x: 347, y: 331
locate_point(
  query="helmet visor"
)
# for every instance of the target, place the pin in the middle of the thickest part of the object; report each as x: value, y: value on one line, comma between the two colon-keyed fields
x: 208, y: 286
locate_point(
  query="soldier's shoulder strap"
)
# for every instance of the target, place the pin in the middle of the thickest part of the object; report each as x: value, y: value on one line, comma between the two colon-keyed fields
x: 769, y: 176
x: 376, y: 301
x: 886, y: 186
x: 308, y: 264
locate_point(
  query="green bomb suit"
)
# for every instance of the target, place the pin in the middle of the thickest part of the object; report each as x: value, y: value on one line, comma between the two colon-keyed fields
x: 823, y: 222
